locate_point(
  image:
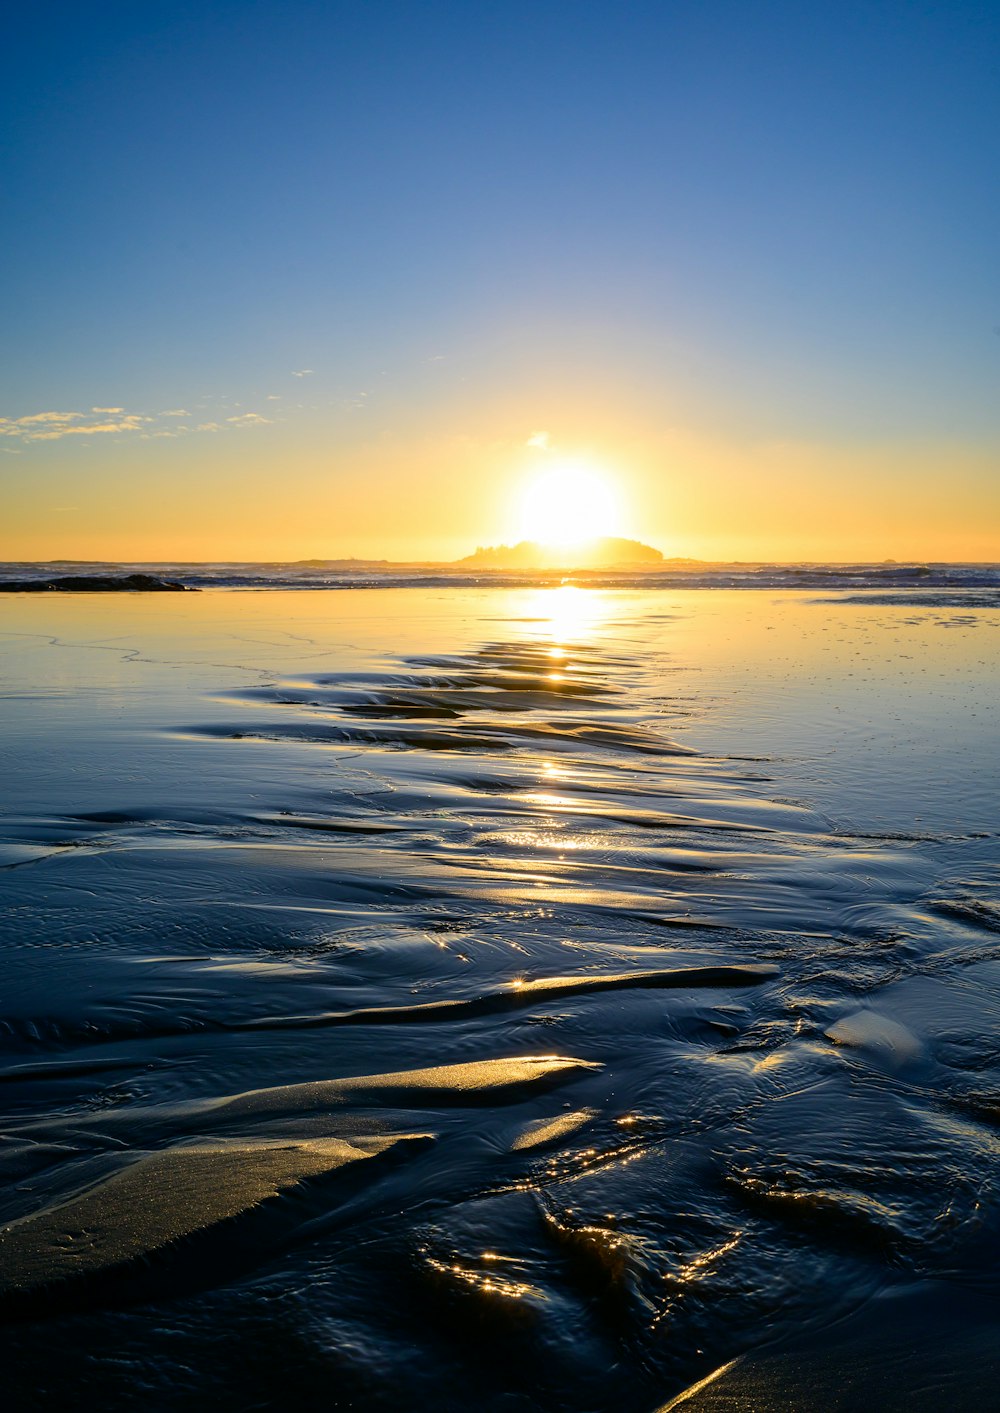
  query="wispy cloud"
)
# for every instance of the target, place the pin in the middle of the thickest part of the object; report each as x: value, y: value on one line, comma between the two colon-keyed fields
x: 43, y: 418
x: 539, y: 440
x: 90, y: 429
x: 302, y: 373
x: 110, y: 421
x: 51, y: 426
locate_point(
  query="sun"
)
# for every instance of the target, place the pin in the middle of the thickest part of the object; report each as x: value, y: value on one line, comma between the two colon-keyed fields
x: 569, y: 504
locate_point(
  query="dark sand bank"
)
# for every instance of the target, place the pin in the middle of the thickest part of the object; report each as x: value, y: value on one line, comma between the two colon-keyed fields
x: 538, y: 1001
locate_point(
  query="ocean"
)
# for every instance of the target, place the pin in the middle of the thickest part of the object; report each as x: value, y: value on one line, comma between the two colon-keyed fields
x: 887, y: 576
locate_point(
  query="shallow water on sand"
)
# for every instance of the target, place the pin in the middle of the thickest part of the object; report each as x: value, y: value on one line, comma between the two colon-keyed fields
x: 523, y: 999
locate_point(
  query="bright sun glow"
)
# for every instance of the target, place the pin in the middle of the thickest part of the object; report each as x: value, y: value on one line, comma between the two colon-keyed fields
x: 569, y: 504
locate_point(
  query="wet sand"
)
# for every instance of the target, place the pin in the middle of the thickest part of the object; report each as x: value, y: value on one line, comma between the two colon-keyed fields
x: 523, y: 999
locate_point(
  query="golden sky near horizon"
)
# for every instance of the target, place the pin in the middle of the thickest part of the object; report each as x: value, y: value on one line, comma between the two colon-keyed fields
x: 263, y: 493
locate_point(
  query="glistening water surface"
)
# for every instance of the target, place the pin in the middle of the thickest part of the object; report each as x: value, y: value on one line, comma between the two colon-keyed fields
x: 516, y: 999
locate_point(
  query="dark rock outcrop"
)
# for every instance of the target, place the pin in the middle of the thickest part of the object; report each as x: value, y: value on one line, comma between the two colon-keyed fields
x: 96, y: 584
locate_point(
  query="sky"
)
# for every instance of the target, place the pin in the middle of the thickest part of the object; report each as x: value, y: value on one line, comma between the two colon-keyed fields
x: 298, y: 278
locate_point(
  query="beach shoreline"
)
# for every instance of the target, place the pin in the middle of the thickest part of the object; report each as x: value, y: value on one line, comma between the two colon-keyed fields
x: 605, y: 975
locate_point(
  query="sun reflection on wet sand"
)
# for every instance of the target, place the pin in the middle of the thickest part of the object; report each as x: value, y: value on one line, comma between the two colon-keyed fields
x: 569, y: 614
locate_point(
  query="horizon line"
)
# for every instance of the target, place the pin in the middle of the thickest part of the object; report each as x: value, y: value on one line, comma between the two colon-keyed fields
x: 916, y: 561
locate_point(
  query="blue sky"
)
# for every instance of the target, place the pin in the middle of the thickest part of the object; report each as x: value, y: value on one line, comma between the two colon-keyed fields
x: 755, y: 222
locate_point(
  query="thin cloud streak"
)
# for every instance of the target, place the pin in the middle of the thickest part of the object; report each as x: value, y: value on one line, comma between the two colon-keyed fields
x: 127, y: 424
x: 109, y: 421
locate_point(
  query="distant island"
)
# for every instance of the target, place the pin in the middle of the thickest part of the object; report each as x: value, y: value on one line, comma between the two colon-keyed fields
x: 608, y: 553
